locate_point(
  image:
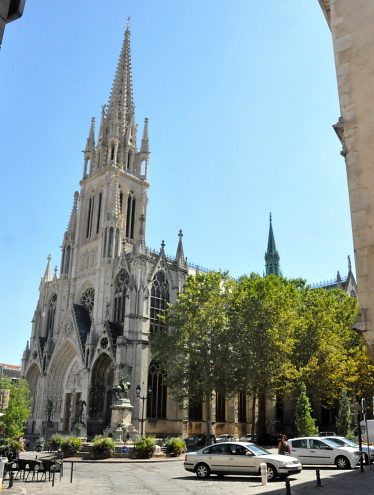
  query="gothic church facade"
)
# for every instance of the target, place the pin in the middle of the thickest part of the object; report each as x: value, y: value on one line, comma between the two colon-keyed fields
x: 92, y: 322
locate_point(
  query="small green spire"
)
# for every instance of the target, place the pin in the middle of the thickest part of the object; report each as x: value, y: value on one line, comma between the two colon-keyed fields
x: 272, y: 255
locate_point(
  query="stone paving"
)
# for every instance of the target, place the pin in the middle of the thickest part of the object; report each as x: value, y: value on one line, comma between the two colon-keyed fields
x: 168, y: 477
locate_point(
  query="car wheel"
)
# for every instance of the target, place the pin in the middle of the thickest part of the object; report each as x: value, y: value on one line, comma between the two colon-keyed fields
x: 202, y: 471
x: 271, y: 472
x: 342, y: 462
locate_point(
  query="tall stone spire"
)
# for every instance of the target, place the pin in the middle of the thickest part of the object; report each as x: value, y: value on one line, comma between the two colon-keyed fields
x: 272, y: 255
x: 121, y: 107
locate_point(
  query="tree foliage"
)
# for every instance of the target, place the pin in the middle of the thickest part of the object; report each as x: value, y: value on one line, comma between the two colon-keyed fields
x: 344, y: 418
x: 14, y: 420
x: 193, y: 347
x: 262, y: 323
x: 261, y: 336
x: 304, y: 423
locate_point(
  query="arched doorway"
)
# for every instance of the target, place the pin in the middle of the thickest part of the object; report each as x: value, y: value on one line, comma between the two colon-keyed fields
x: 100, y: 396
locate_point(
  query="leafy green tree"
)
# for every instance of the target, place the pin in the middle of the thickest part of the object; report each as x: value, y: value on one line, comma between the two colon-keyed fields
x: 344, y: 418
x: 15, y: 417
x: 193, y: 348
x: 305, y: 424
x: 262, y: 321
x: 326, y: 348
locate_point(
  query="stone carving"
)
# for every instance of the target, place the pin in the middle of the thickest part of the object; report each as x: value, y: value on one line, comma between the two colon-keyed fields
x: 120, y: 391
x: 81, y: 406
x: 49, y: 410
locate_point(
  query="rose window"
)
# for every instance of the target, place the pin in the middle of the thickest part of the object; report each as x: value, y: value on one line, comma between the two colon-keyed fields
x: 88, y: 300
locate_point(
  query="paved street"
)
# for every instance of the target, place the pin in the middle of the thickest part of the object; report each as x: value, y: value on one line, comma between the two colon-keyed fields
x: 169, y: 478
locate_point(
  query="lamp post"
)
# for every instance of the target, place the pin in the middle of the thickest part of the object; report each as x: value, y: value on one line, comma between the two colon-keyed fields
x: 142, y: 398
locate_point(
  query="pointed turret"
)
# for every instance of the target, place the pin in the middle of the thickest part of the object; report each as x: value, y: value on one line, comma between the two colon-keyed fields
x: 89, y: 151
x: 47, y: 274
x: 90, y: 146
x: 181, y: 261
x: 349, y: 265
x: 144, y: 151
x: 271, y: 255
x: 338, y: 279
x: 144, y: 147
x: 73, y: 216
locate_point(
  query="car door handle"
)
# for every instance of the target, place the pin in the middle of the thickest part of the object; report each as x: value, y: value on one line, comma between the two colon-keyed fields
x: 312, y: 451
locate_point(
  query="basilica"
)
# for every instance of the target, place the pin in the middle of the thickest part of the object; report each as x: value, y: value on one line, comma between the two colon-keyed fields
x: 92, y: 322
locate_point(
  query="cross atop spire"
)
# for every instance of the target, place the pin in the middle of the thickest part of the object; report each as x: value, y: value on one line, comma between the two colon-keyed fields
x: 272, y: 255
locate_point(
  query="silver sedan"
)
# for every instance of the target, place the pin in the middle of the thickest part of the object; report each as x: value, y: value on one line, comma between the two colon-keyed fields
x: 239, y: 458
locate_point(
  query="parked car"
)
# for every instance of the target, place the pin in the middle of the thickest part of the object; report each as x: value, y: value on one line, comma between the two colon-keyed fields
x: 198, y: 441
x: 226, y: 437
x: 248, y: 437
x: 239, y: 458
x: 366, y: 449
x: 317, y: 450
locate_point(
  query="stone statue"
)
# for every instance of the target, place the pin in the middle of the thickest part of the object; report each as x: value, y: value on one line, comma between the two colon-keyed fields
x: 120, y: 391
x: 49, y: 410
x: 81, y: 406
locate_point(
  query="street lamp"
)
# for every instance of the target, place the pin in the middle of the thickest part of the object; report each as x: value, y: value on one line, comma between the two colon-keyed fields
x: 142, y: 398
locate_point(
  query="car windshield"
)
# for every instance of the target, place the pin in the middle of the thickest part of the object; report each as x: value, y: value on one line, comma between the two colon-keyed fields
x: 256, y: 449
x: 331, y: 443
x: 346, y: 441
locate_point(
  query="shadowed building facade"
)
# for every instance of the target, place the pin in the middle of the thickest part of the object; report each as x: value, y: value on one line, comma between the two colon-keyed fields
x: 351, y: 23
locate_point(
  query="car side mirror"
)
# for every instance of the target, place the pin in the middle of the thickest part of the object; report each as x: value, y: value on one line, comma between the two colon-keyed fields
x: 248, y: 453
x: 328, y: 447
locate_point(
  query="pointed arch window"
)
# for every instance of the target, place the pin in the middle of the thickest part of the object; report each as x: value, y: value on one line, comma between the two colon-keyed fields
x: 110, y: 243
x: 159, y: 300
x: 120, y: 295
x: 220, y: 407
x: 90, y: 214
x: 99, y: 212
x: 51, y: 315
x: 242, y: 407
x: 195, y: 410
x: 156, y: 403
x: 130, y: 216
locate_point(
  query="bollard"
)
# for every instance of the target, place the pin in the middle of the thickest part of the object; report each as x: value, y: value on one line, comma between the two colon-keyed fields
x: 54, y: 472
x: 71, y: 472
x: 264, y: 473
x: 3, y: 461
x: 11, y: 479
x: 288, y: 487
x: 318, y: 478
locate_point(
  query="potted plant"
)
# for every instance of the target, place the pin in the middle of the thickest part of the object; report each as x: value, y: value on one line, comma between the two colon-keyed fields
x: 102, y: 447
x: 70, y: 446
x: 144, y: 447
x: 175, y: 446
x: 55, y: 441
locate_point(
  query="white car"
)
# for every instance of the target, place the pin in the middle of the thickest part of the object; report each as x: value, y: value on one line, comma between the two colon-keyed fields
x: 366, y: 449
x: 318, y: 450
x: 239, y: 458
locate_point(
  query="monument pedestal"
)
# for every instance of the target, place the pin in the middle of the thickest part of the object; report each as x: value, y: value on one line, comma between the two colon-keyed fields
x: 79, y: 430
x: 121, y: 428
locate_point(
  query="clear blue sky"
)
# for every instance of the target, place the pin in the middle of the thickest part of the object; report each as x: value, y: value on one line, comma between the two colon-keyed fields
x: 240, y: 95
